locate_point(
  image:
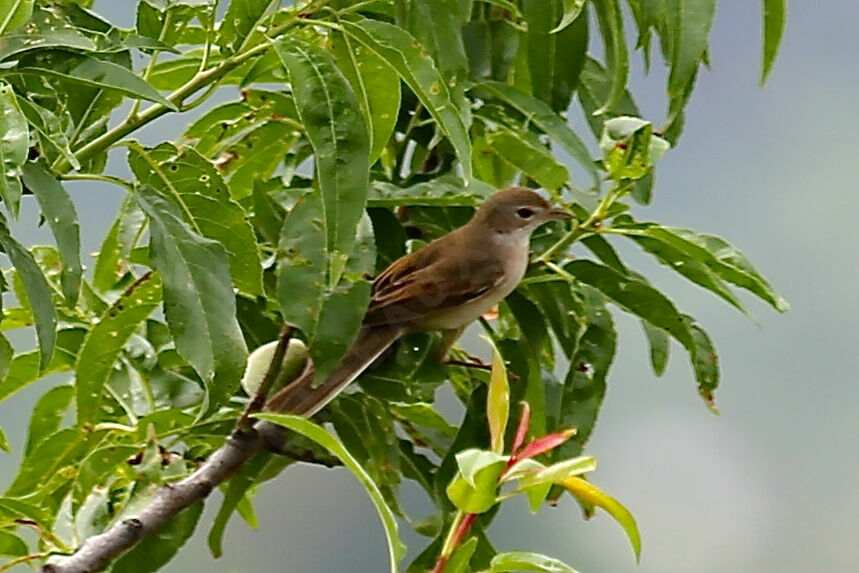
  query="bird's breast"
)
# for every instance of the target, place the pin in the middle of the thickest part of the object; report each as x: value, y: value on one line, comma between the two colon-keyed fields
x: 514, y: 261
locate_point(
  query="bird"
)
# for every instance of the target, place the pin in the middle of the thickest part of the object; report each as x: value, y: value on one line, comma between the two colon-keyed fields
x: 443, y: 286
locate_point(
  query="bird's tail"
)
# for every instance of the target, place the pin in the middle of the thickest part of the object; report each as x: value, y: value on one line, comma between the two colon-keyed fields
x: 300, y: 398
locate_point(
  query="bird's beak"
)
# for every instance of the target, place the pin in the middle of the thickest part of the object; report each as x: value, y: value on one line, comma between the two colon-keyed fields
x: 558, y: 214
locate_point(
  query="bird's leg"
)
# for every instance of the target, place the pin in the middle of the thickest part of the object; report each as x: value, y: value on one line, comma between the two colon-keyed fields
x: 447, y: 339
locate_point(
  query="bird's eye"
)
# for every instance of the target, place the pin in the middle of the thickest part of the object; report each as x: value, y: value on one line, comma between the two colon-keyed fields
x: 525, y: 213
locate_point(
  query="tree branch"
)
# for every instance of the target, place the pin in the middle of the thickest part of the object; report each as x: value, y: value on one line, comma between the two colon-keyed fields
x: 246, y: 440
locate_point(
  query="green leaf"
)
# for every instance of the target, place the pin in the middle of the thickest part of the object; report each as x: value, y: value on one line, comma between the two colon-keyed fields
x: 403, y: 53
x: 474, y: 488
x: 724, y: 260
x: 51, y: 129
x: 59, y: 211
x: 591, y: 494
x: 330, y: 113
x: 198, y: 296
x: 196, y: 187
x: 38, y: 292
x: 104, y: 342
x: 234, y: 494
x: 6, y: 352
x: 376, y: 86
x: 444, y: 191
x: 91, y: 71
x: 775, y: 12
x: 659, y: 344
x: 24, y: 368
x: 328, y: 312
x: 635, y: 297
x: 241, y: 20
x: 705, y: 362
x: 118, y: 243
x: 472, y: 461
x: 48, y: 415
x: 99, y: 466
x: 630, y: 147
x: 549, y: 122
x: 576, y: 403
x: 497, y: 400
x: 524, y: 561
x: 459, y: 561
x: 554, y: 59
x: 13, y: 148
x: 562, y: 470
x: 617, y: 60
x: 595, y: 89
x: 11, y: 545
x: 691, y: 23
x: 56, y: 451
x: 396, y: 549
x: 156, y: 550
x: 4, y: 442
x: 14, y: 14
x: 528, y: 156
x: 572, y: 10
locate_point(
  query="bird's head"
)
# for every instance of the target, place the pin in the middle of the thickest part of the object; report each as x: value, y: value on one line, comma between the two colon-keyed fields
x: 517, y: 210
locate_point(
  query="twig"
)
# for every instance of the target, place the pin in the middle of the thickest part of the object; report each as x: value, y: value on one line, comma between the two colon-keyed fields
x: 247, y: 439
x: 275, y: 366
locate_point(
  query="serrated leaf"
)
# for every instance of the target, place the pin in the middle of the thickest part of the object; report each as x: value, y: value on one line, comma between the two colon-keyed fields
x: 48, y: 415
x: 525, y: 561
x: 328, y: 314
x: 689, y: 248
x: 530, y: 157
x: 474, y: 488
x: 198, y: 296
x: 105, y: 341
x: 38, y: 292
x: 376, y: 86
x: 156, y: 550
x: 330, y: 113
x: 497, y: 401
x: 635, y: 297
x: 396, y: 549
x: 196, y: 187
x: 775, y: 12
x: 59, y: 211
x: 690, y: 22
x: 13, y: 148
x: 471, y: 461
x: 593, y: 495
x: 403, y: 53
x: 95, y: 72
x: 546, y: 120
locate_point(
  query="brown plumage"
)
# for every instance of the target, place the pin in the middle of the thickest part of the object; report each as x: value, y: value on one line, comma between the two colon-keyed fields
x: 443, y: 286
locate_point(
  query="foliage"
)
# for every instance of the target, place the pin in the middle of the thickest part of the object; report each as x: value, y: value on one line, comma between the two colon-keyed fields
x: 357, y: 130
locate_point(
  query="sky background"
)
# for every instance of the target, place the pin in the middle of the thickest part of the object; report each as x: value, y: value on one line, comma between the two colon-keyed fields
x: 771, y: 484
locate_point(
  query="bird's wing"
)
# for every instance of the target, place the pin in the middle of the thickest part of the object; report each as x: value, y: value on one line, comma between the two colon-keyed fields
x: 423, y: 283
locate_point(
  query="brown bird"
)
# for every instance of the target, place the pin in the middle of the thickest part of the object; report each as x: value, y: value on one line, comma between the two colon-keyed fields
x: 443, y: 286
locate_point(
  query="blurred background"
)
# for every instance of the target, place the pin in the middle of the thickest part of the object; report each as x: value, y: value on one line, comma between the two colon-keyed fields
x: 771, y: 484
